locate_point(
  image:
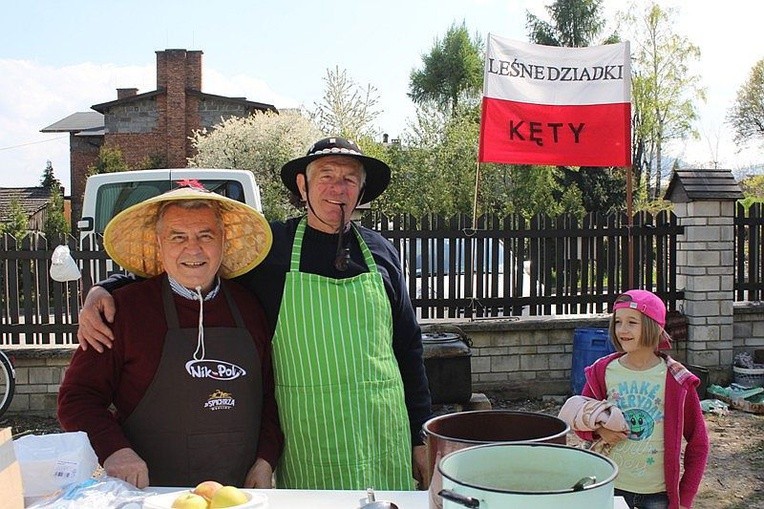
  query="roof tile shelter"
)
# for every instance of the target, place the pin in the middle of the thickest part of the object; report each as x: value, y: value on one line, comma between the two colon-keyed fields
x: 153, y: 126
x: 694, y: 185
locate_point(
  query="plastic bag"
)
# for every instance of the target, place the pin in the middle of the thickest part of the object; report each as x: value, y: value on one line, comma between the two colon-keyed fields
x: 52, y: 462
x: 103, y: 493
x: 63, y: 268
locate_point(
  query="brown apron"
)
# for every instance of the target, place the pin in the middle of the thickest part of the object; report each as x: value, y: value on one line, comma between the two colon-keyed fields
x: 200, y: 417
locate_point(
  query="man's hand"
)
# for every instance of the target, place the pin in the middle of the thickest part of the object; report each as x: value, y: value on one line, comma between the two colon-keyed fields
x: 260, y: 475
x: 421, y: 469
x: 93, y: 330
x: 125, y: 464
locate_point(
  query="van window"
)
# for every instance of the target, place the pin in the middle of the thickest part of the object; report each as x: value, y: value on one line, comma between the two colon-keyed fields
x: 439, y: 257
x: 115, y: 197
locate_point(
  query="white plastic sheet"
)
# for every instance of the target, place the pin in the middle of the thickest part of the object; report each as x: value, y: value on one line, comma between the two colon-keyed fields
x: 104, y: 493
x: 52, y: 462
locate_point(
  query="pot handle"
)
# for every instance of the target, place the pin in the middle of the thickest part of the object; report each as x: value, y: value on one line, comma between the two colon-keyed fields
x: 459, y: 499
x: 584, y: 482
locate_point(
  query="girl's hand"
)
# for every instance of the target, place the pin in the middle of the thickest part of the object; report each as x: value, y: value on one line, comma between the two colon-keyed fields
x: 609, y: 436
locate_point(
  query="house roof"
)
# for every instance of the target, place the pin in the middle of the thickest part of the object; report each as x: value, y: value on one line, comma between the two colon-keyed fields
x: 32, y: 199
x: 703, y: 184
x: 240, y: 100
x: 80, y: 121
x: 104, y: 107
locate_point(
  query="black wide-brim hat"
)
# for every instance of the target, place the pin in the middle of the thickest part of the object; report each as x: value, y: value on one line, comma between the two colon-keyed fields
x: 377, y: 172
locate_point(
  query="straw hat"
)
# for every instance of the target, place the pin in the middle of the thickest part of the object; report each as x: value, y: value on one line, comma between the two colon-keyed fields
x: 130, y: 237
x: 377, y: 172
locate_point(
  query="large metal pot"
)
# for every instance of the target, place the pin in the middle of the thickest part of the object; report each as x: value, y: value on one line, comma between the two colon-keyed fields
x: 452, y: 432
x: 542, y: 476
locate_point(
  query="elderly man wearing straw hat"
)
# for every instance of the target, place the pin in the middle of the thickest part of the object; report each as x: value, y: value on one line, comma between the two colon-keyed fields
x: 350, y: 379
x: 190, y: 375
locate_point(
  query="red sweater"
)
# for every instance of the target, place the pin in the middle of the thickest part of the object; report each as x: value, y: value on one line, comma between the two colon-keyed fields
x: 121, y: 375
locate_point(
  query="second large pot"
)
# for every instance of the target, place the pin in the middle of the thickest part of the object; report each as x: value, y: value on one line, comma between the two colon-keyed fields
x: 452, y: 432
x: 541, y: 476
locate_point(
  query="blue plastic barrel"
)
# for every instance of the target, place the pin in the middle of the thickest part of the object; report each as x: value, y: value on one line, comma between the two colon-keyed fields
x: 589, y: 344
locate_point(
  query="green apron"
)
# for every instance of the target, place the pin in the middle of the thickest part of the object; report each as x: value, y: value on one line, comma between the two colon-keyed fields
x: 338, y: 387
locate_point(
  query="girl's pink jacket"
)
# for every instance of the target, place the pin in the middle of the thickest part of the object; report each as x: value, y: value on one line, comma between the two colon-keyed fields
x: 683, y: 418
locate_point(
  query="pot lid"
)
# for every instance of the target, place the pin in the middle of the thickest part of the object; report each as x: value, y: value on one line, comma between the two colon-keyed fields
x: 440, y: 337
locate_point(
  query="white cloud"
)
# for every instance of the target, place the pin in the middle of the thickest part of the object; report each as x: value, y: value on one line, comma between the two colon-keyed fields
x: 33, y: 96
x: 244, y: 86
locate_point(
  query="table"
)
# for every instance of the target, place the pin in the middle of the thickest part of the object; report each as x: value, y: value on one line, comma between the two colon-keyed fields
x: 332, y: 499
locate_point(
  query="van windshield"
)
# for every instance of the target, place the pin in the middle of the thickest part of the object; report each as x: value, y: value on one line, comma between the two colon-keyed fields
x: 115, y: 197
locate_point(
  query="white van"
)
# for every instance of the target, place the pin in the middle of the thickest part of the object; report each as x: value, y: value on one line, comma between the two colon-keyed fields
x: 108, y: 194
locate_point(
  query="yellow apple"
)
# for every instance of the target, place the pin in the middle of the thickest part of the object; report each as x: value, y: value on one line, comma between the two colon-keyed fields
x: 206, y: 489
x: 189, y: 500
x: 228, y: 496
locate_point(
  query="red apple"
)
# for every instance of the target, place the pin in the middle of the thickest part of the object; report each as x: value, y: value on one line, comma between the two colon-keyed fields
x: 206, y: 489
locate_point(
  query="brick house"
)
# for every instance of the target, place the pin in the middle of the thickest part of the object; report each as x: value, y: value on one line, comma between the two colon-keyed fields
x: 153, y: 126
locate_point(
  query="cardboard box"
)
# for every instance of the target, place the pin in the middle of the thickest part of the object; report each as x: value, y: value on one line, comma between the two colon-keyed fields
x: 11, y: 489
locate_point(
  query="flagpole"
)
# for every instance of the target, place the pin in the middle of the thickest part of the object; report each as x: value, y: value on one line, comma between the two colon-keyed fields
x: 473, y: 242
x: 630, y: 224
x: 475, y: 198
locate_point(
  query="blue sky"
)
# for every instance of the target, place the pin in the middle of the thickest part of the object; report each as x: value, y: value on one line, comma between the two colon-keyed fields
x: 57, y: 58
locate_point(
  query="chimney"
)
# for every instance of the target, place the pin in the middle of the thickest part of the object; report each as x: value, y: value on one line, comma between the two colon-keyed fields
x: 194, y: 70
x: 126, y: 92
x: 178, y: 71
x: 181, y: 67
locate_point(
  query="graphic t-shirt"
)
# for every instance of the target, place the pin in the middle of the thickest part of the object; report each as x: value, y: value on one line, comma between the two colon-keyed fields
x: 640, y: 395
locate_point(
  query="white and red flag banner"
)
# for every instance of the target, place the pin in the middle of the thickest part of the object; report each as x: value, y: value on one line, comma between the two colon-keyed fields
x: 556, y: 106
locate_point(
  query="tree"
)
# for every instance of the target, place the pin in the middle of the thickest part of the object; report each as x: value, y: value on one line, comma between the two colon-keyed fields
x: 18, y: 220
x: 579, y: 23
x: 665, y: 90
x: 747, y: 114
x: 55, y: 222
x: 110, y: 160
x: 452, y: 71
x: 49, y: 180
x: 261, y: 143
x: 574, y: 24
x: 753, y: 189
x: 346, y: 109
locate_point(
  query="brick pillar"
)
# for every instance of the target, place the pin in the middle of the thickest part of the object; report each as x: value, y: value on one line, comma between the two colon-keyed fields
x: 194, y: 70
x: 83, y: 153
x: 705, y: 269
x: 172, y: 69
x: 193, y: 82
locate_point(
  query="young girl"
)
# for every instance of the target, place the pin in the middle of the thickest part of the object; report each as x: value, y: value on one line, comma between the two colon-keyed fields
x: 657, y: 396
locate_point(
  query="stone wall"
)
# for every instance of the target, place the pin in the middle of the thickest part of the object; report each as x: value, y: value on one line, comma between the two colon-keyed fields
x: 529, y: 357
x: 39, y: 373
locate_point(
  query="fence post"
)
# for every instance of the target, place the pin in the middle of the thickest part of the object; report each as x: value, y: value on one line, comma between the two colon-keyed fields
x: 704, y: 202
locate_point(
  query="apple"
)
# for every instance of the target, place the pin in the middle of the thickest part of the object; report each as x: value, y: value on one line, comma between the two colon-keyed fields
x: 206, y: 489
x: 228, y: 496
x: 189, y: 500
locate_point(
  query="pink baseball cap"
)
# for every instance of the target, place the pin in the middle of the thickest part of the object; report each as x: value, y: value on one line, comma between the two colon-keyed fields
x: 649, y: 305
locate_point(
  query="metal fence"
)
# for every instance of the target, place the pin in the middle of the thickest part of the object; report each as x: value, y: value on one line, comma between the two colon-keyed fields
x: 505, y: 266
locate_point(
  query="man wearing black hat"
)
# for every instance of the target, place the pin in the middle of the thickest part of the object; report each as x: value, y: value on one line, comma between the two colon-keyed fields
x: 350, y: 380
